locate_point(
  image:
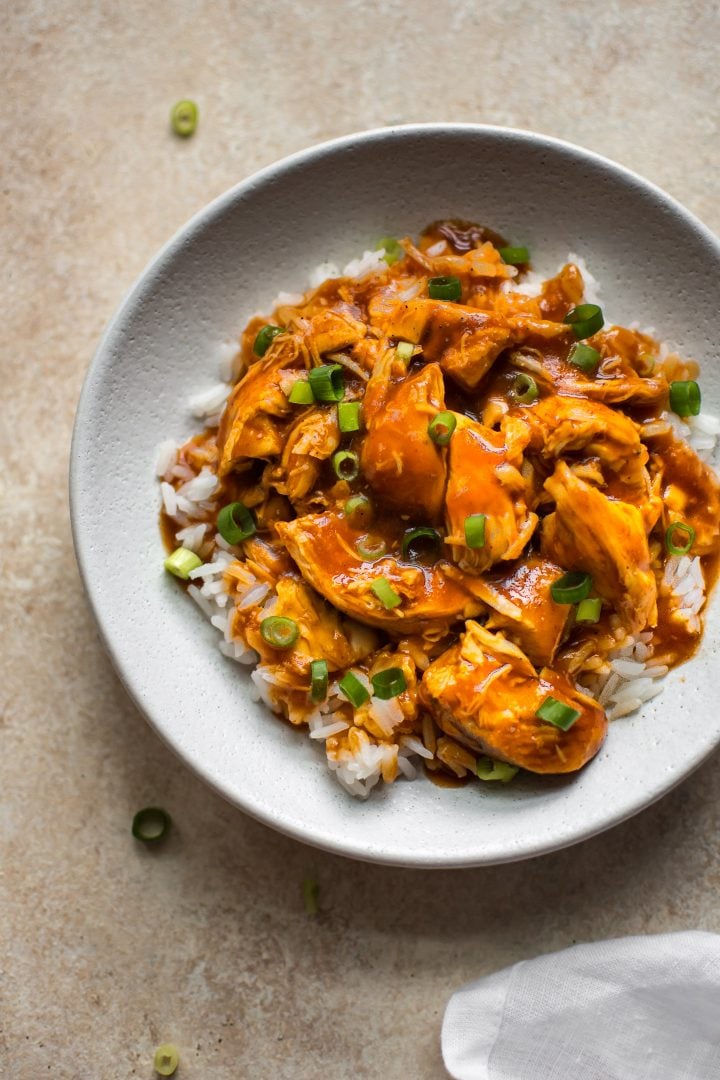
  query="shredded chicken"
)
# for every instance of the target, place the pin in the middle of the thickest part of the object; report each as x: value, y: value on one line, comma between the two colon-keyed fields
x: 460, y: 520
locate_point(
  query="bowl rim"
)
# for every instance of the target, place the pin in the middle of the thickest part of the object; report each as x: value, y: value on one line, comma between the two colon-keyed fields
x: 113, y: 644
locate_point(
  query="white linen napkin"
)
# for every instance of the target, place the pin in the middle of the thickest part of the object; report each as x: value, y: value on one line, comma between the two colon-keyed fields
x: 636, y: 1008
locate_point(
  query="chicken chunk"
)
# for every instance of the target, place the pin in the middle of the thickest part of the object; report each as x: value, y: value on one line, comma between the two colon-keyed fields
x: 399, y: 459
x: 562, y: 425
x: 312, y: 439
x: 323, y: 633
x: 604, y: 538
x: 485, y: 693
x: 331, y: 331
x: 615, y: 382
x: 484, y: 478
x: 464, y: 341
x: 523, y: 608
x: 690, y: 492
x: 323, y: 547
x: 249, y: 426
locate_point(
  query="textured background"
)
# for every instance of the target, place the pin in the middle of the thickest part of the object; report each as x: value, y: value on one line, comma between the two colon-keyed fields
x: 106, y: 949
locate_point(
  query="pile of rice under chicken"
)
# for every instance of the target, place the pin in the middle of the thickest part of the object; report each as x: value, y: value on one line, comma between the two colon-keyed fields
x: 450, y: 519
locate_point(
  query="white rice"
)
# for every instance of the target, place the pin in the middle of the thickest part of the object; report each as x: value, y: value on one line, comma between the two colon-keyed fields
x: 166, y: 456
x: 209, y: 404
x: 192, y: 536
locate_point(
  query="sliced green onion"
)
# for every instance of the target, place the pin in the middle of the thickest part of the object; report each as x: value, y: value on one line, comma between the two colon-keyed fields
x: 393, y: 250
x: 310, y: 897
x: 555, y: 712
x: 264, y: 339
x: 475, y: 530
x: 441, y: 427
x: 489, y: 769
x: 301, y: 393
x: 584, y: 357
x: 524, y: 389
x: 235, y: 523
x: 181, y: 562
x: 404, y: 350
x: 371, y: 547
x: 359, y: 511
x: 318, y: 680
x: 353, y: 689
x: 389, y: 683
x: 671, y: 532
x: 588, y: 610
x: 166, y: 1059
x: 385, y: 593
x: 184, y: 119
x: 585, y: 320
x: 346, y: 465
x: 571, y: 588
x: 685, y: 398
x: 444, y: 288
x: 328, y: 382
x: 151, y: 825
x: 422, y: 544
x: 514, y: 256
x: 279, y: 631
x: 348, y: 416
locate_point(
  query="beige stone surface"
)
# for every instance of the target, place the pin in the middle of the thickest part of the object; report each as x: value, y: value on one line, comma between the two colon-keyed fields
x: 108, y: 949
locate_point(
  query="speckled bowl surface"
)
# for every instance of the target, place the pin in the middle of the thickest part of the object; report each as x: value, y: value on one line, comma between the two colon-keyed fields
x: 657, y: 265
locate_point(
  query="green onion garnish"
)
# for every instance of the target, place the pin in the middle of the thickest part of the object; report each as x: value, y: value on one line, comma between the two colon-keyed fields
x: 422, y: 544
x: 184, y: 119
x: 670, y: 534
x: 279, y: 631
x: 371, y: 547
x: 353, y: 689
x: 310, y: 897
x: 514, y: 256
x: 685, y: 398
x: 441, y: 427
x: 359, y: 510
x: 389, y: 683
x: 588, y: 610
x: 346, y: 465
x: 166, y: 1059
x: 318, y: 680
x: 264, y: 339
x: 554, y: 712
x: 585, y: 320
x: 393, y: 250
x: 524, y: 389
x: 151, y: 825
x: 489, y: 769
x: 475, y: 530
x: 444, y: 288
x: 181, y: 562
x: 571, y: 588
x: 327, y: 382
x: 348, y: 416
x: 584, y: 357
x: 404, y: 350
x: 385, y: 593
x: 301, y: 393
x: 235, y: 523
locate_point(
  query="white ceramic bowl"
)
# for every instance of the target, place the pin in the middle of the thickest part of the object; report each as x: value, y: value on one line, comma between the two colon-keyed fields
x: 656, y: 263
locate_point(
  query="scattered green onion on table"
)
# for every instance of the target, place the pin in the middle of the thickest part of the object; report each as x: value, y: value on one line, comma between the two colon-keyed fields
x: 184, y: 117
x: 151, y: 824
